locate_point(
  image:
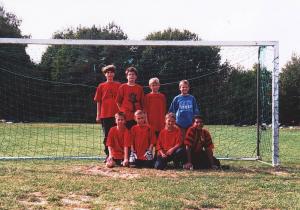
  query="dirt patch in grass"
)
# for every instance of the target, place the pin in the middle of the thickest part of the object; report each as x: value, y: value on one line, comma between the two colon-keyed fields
x: 134, y: 173
x: 33, y: 199
x: 117, y: 172
x: 81, y: 202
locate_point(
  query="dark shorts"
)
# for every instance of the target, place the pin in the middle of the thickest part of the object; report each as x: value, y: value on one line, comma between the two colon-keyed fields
x: 200, y: 160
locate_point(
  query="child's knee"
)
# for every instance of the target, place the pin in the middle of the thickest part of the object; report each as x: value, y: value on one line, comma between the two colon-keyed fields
x: 159, y: 165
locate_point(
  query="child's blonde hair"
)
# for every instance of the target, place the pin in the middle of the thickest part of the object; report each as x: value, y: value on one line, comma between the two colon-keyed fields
x: 154, y: 80
x: 139, y: 112
x: 108, y: 68
x: 184, y: 82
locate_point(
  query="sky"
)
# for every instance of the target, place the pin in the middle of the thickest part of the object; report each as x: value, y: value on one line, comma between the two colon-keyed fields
x: 213, y: 20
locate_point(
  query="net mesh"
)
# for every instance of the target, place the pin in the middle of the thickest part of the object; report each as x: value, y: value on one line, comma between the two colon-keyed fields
x: 47, y: 108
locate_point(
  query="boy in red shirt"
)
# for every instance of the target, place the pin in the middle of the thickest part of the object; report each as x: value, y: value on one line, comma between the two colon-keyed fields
x: 168, y: 144
x: 130, y: 97
x: 142, y: 141
x: 199, y: 147
x: 155, y: 106
x: 118, y: 141
x: 106, y: 105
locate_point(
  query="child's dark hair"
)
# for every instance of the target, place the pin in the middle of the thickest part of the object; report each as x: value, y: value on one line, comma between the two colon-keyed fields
x: 120, y: 114
x: 170, y: 115
x: 131, y: 69
x: 197, y: 117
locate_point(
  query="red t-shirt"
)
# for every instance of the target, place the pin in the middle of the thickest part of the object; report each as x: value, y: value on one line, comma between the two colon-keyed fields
x: 106, y: 94
x: 130, y: 98
x: 168, y: 139
x: 118, y: 140
x: 197, y: 139
x: 155, y: 107
x: 141, y: 138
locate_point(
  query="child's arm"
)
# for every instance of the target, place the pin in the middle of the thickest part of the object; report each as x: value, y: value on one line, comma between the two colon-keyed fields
x: 189, y: 164
x: 125, y: 161
x: 98, y: 112
x: 178, y: 141
x: 119, y: 97
x: 97, y: 98
x: 142, y: 98
x: 173, y: 107
x: 110, y: 153
x: 162, y: 154
x: 150, y: 147
x: 132, y: 148
x: 171, y: 150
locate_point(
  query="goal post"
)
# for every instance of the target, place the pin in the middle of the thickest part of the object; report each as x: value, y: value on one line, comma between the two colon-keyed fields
x: 219, y: 72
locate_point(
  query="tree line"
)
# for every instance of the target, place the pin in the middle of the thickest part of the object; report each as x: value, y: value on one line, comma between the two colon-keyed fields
x: 60, y: 88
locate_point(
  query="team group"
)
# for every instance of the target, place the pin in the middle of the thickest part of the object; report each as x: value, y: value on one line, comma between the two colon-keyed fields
x: 136, y: 126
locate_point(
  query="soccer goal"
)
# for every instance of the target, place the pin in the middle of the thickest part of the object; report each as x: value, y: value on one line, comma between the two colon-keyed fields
x: 47, y: 88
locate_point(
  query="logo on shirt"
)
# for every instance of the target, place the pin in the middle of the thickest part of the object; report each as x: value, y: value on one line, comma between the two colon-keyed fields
x: 185, y: 105
x: 133, y: 100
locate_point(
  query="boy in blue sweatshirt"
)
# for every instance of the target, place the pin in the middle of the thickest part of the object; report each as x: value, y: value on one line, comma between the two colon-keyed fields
x: 185, y: 107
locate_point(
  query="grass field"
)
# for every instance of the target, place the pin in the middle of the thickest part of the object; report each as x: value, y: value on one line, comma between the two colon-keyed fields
x: 73, y: 140
x: 89, y: 185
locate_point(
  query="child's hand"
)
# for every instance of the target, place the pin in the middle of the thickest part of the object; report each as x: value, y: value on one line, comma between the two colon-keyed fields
x: 110, y: 162
x: 98, y: 120
x: 163, y: 155
x: 170, y: 152
x: 125, y: 163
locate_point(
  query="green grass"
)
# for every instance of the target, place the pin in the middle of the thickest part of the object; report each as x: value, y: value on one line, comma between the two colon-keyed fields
x: 89, y: 185
x: 54, y: 140
x: 63, y: 140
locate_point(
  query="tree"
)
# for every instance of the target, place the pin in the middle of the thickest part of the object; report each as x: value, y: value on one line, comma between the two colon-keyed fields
x: 14, y: 64
x: 290, y: 91
x: 13, y: 57
x: 177, y: 62
x: 81, y: 64
x: 172, y: 64
x: 75, y: 71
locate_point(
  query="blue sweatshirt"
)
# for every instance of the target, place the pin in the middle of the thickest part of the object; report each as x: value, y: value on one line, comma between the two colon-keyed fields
x: 185, y: 107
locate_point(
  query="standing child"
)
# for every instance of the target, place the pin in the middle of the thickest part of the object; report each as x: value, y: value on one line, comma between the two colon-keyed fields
x: 168, y: 144
x: 118, y: 142
x: 106, y: 102
x: 155, y: 106
x: 184, y: 106
x: 142, y: 141
x: 130, y: 97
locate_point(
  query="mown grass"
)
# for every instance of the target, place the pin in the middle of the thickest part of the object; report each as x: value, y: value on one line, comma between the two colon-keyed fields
x: 71, y: 184
x: 89, y: 185
x: 69, y: 140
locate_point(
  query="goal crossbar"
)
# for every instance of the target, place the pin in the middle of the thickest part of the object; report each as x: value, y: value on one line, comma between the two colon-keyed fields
x: 135, y: 42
